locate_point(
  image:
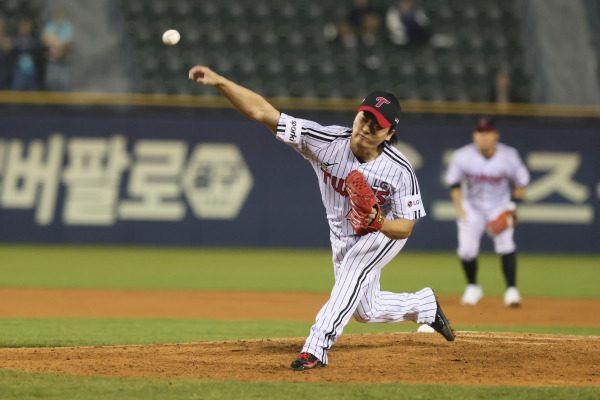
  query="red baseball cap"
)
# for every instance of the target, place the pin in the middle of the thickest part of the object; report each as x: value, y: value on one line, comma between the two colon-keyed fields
x: 486, y: 124
x: 384, y: 106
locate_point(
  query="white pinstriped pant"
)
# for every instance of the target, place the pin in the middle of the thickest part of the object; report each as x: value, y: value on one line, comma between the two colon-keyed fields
x: 358, y: 263
x: 472, y: 227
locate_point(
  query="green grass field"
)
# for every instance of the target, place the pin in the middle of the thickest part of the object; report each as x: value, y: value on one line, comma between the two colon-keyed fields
x: 555, y: 275
x: 539, y: 275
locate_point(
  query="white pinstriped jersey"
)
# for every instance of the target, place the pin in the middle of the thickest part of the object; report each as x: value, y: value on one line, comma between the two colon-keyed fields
x: 486, y: 182
x: 358, y: 260
x: 327, y: 148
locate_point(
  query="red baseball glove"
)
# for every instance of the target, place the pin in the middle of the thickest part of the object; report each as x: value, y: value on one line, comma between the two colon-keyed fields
x: 362, y: 201
x: 502, y: 222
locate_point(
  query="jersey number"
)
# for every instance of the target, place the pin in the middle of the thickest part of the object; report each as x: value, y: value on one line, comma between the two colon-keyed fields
x: 380, y: 196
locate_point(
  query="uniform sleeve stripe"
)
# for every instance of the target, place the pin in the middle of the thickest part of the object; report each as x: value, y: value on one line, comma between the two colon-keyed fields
x: 318, y: 137
x: 322, y: 134
x: 281, y: 128
x: 405, y: 164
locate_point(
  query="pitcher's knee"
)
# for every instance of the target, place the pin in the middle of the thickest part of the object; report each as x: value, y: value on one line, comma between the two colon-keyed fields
x: 361, y: 316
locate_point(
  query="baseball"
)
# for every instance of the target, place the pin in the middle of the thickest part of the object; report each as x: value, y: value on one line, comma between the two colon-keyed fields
x: 171, y: 37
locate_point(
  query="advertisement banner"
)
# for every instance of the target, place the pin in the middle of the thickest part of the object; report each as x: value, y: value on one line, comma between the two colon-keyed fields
x: 218, y: 179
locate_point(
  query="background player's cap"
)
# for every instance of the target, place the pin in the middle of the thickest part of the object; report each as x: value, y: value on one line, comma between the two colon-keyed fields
x: 385, y: 106
x: 486, y: 124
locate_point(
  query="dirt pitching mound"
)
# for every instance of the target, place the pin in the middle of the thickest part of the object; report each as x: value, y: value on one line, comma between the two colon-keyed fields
x: 475, y: 358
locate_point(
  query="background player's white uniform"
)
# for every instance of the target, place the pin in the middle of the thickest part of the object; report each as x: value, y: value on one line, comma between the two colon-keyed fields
x: 486, y: 192
x: 358, y: 260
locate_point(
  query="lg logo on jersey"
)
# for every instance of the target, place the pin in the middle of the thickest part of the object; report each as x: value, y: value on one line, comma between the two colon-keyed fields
x: 410, y: 203
x: 381, y: 185
x: 338, y: 185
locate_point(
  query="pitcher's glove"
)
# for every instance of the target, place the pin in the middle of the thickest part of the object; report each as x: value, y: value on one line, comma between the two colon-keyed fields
x: 505, y: 220
x: 362, y: 201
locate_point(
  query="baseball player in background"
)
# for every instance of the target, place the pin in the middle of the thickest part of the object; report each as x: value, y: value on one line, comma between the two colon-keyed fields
x: 487, y: 180
x: 372, y: 199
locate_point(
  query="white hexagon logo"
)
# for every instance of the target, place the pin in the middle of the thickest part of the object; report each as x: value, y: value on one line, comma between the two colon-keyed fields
x: 217, y: 181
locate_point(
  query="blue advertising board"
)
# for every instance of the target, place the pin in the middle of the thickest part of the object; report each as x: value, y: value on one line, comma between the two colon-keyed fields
x: 214, y: 178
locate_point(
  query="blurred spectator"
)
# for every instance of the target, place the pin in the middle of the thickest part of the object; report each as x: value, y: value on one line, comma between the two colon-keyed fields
x: 407, y: 23
x: 502, y: 91
x: 359, y: 32
x: 26, y: 49
x: 58, y: 38
x: 362, y: 22
x: 5, y: 47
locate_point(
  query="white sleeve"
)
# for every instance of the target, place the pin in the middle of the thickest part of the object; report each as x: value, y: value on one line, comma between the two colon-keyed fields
x: 407, y: 198
x: 454, y: 174
x: 289, y: 130
x: 521, y: 176
x: 307, y: 136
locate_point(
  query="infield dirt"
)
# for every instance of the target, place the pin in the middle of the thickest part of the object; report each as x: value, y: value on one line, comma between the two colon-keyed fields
x: 480, y: 358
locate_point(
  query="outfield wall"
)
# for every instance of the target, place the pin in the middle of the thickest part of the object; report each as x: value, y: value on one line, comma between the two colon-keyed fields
x: 204, y: 176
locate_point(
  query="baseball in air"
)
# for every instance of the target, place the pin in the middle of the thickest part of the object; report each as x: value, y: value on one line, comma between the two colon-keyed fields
x: 171, y: 37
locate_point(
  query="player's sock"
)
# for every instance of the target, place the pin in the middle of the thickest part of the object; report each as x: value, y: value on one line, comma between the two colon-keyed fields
x: 509, y: 268
x: 470, y: 268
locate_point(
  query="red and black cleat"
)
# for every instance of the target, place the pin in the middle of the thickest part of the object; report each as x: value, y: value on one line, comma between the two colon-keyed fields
x: 306, y: 361
x: 441, y: 324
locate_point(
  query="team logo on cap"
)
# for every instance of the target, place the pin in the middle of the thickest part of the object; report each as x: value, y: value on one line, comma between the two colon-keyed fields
x: 381, y: 101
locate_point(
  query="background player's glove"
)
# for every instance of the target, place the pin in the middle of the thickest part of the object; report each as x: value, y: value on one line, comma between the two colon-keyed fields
x: 505, y: 220
x: 362, y: 201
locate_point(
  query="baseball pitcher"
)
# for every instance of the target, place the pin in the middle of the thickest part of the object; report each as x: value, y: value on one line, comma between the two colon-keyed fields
x: 372, y: 198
